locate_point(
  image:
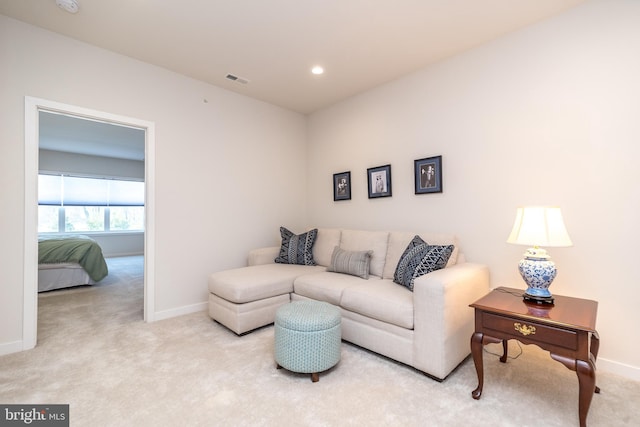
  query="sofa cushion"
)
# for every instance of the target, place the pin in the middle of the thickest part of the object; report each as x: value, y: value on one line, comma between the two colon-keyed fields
x: 398, y: 242
x: 266, y: 255
x: 382, y: 300
x: 355, y: 263
x: 358, y: 240
x: 297, y: 249
x: 325, y: 286
x: 241, y: 285
x: 327, y: 239
x: 419, y: 259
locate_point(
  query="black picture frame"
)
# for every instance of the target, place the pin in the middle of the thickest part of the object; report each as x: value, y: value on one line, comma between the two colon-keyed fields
x: 379, y: 181
x: 428, y: 175
x: 342, y: 186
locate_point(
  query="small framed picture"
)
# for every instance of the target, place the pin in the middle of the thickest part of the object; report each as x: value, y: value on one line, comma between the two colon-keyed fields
x: 428, y: 175
x: 342, y: 186
x: 379, y: 181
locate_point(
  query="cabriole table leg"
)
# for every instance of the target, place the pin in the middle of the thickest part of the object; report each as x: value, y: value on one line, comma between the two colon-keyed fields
x: 587, y: 383
x: 476, y: 351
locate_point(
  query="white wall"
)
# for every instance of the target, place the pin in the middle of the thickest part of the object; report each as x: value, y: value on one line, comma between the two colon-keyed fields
x: 223, y: 167
x: 119, y: 244
x: 547, y: 115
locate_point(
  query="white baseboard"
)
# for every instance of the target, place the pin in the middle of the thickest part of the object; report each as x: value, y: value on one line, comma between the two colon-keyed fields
x: 11, y: 347
x: 122, y: 254
x: 180, y: 311
x: 611, y: 366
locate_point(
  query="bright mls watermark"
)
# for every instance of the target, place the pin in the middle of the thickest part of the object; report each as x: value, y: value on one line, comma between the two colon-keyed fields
x: 34, y: 415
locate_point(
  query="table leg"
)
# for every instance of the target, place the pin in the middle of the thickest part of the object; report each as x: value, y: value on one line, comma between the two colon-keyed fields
x: 587, y: 383
x: 595, y: 346
x: 505, y: 344
x: 476, y: 351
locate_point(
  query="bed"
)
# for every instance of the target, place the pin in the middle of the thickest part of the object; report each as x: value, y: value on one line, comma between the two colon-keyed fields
x: 66, y: 261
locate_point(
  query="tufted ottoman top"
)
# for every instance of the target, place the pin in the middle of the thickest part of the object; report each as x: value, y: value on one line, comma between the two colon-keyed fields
x: 308, y: 316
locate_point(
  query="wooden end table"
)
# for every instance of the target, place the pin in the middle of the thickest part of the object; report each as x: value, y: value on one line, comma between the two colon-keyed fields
x: 566, y: 329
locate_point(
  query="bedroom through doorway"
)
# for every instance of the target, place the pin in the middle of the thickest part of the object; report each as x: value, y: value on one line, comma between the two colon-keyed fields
x: 102, y: 165
x: 91, y: 208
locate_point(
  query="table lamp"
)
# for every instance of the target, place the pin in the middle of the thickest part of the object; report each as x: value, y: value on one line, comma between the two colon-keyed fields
x: 537, y: 226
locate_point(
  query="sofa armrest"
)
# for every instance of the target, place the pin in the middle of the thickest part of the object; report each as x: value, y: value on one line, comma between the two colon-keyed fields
x: 261, y: 256
x: 443, y: 320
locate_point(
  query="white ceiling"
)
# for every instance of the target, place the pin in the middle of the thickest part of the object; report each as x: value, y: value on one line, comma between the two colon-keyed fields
x: 274, y: 43
x: 59, y: 132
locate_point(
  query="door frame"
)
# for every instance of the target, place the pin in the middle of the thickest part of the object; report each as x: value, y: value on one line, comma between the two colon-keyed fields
x: 31, y: 141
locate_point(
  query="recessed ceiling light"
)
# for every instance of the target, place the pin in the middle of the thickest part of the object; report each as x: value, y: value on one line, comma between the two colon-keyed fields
x: 70, y: 6
x: 317, y: 70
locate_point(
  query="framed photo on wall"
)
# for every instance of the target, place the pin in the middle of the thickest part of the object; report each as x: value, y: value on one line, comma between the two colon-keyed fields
x: 428, y: 175
x: 379, y: 181
x: 342, y: 186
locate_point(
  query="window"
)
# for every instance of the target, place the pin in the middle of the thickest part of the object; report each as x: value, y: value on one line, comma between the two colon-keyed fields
x: 80, y: 204
x: 84, y: 218
x: 126, y: 218
x: 48, y: 219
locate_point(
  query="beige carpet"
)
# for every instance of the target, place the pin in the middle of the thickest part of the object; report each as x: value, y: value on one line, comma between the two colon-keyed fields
x: 95, y: 353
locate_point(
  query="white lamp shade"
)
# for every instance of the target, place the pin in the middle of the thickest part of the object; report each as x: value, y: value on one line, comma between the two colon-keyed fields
x: 539, y: 226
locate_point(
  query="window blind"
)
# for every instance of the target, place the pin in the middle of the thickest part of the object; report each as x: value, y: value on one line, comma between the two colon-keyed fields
x: 61, y: 190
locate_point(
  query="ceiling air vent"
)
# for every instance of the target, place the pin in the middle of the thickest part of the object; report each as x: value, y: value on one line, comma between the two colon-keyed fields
x: 236, y: 79
x: 70, y: 6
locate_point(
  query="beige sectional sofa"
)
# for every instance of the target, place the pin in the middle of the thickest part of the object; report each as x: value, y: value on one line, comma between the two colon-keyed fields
x: 428, y: 328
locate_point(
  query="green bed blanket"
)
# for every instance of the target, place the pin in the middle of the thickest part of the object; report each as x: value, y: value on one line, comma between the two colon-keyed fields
x: 77, y: 248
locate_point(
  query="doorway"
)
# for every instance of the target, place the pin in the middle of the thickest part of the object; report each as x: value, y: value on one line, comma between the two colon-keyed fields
x: 33, y: 107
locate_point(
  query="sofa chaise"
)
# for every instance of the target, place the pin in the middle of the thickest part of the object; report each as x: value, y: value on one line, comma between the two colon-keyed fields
x: 426, y: 324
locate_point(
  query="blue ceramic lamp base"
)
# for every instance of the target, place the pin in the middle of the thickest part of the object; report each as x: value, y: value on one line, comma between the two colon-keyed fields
x: 538, y: 271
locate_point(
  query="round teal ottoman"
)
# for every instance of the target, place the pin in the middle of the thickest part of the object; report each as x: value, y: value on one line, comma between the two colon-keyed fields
x: 307, y: 337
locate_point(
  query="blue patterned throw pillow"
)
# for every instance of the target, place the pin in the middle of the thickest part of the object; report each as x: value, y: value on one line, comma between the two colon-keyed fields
x: 419, y: 259
x: 296, y: 248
